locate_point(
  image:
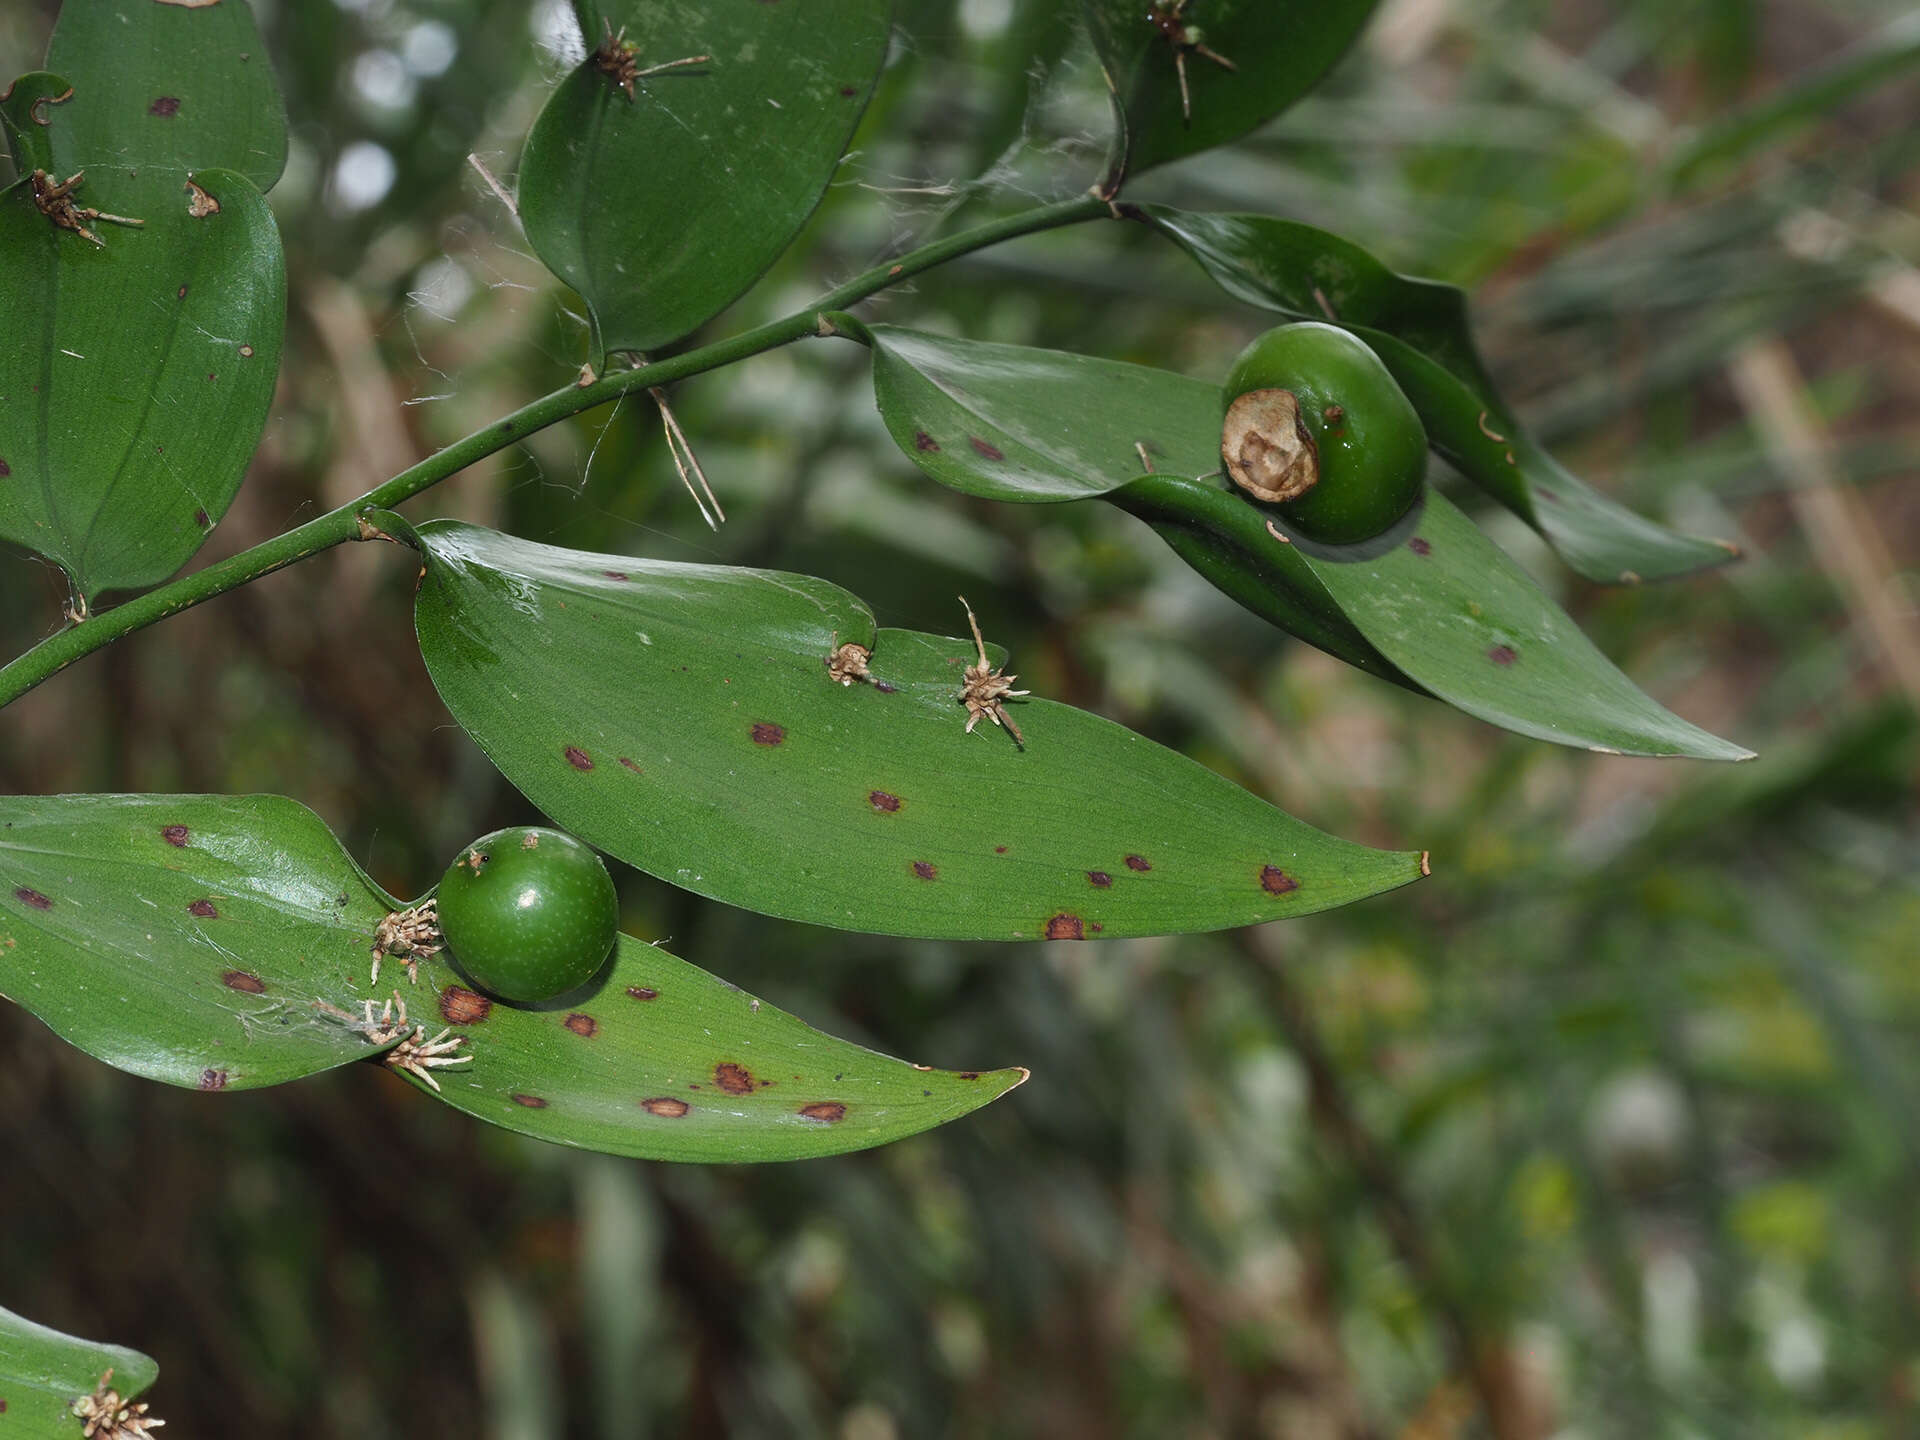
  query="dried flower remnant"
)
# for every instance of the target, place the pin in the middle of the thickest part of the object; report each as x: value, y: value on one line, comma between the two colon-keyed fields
x: 407, y: 936
x: 848, y: 663
x: 618, y: 58
x: 55, y: 201
x: 986, y: 688
x: 106, y: 1416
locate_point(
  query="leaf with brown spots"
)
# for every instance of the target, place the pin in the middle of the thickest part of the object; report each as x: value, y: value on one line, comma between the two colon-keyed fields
x: 42, y: 1371
x: 874, y: 811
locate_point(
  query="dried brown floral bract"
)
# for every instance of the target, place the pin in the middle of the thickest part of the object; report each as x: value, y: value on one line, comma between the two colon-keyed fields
x: 986, y: 688
x: 407, y: 936
x: 848, y: 662
x: 1169, y: 17
x: 55, y: 201
x: 415, y: 1054
x: 618, y: 57
x: 106, y: 1416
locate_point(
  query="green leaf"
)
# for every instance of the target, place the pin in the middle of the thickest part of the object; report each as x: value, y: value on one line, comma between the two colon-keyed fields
x: 1278, y: 52
x: 26, y: 113
x: 167, y: 86
x: 663, y: 207
x: 222, y: 943
x: 42, y: 1373
x: 1025, y: 425
x: 681, y: 717
x: 1419, y: 328
x: 129, y: 412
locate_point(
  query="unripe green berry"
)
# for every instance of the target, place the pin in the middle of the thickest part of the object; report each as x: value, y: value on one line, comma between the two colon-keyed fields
x: 528, y: 913
x: 1315, y: 425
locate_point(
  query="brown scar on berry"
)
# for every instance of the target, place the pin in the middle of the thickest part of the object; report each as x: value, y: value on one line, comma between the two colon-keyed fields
x: 585, y: 1026
x: 241, y: 980
x: 766, y: 734
x: 1503, y: 655
x: 883, y: 802
x: 1065, y: 927
x: 665, y: 1106
x: 827, y: 1110
x: 32, y: 897
x: 926, y: 870
x: 643, y: 992
x: 211, y: 1079
x: 532, y: 1102
x: 1139, y: 862
x: 203, y: 909
x: 732, y: 1078
x: 1276, y: 881
x: 578, y: 758
x: 461, y: 1006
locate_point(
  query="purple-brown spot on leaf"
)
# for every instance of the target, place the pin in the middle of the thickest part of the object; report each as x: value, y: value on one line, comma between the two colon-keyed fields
x: 211, y: 1079
x: 614, y: 574
x: 924, y: 443
x: 1276, y: 881
x: 925, y: 869
x: 847, y: 92
x: 765, y: 734
x: 881, y: 800
x: 200, y: 518
x: 969, y: 1074
x: 643, y: 992
x: 986, y: 451
x: 1503, y: 655
x: 732, y: 1078
x: 999, y: 849
x: 585, y: 1026
x: 1552, y: 497
x: 165, y: 106
x: 33, y: 898
x: 1420, y: 545
x: 461, y: 1006
x: 181, y: 293
x: 1139, y: 862
x: 532, y: 1102
x: 666, y: 1106
x: 578, y: 758
x: 827, y: 1110
x: 203, y: 909
x: 631, y: 766
x: 174, y: 835
x: 241, y: 980
x: 1065, y: 927
x: 5, y: 469
x: 1100, y: 879
x: 884, y: 688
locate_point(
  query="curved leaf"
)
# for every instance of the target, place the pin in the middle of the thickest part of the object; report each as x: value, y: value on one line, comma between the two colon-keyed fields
x: 661, y: 206
x: 1277, y: 53
x: 42, y: 1373
x: 26, y: 114
x: 1419, y: 328
x: 1035, y: 425
x: 138, y: 373
x: 682, y: 718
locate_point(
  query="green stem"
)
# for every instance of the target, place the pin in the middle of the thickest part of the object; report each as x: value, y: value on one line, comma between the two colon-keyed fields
x: 56, y: 652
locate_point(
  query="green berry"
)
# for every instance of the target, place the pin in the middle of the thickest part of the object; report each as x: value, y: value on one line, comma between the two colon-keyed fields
x: 1316, y: 426
x: 528, y: 913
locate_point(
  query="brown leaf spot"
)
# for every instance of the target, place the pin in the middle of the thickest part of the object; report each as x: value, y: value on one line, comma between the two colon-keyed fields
x: 461, y: 1006
x: 884, y: 688
x: 631, y: 766
x: 181, y: 293
x: 165, y: 106
x: 1100, y: 879
x: 665, y: 1106
x: 1503, y: 655
x: 532, y: 1102
x: 211, y: 1079
x: 1552, y: 497
x: 585, y: 1026
x: 969, y: 1074
x: 999, y: 849
x: 847, y: 92
x: 203, y: 909
x: 200, y: 519
x: 1420, y: 545
x: 765, y: 734
x: 925, y: 443
x: 926, y: 870
x: 732, y: 1078
x: 989, y: 452
x: 827, y: 1110
x: 614, y: 574
x: 1065, y: 927
x: 1276, y: 881
x: 246, y: 352
x: 174, y: 835
x: 5, y: 469
x: 578, y: 758
x: 881, y: 800
x: 1139, y: 862
x: 643, y: 992
x: 241, y: 980
x: 33, y: 898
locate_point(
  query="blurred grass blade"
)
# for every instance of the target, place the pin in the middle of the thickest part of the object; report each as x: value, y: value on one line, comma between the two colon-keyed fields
x: 1244, y: 61
x: 1419, y: 328
x: 43, y: 1372
x: 682, y: 718
x: 662, y: 205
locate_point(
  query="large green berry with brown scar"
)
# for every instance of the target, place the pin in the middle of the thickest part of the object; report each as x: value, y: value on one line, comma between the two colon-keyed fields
x: 528, y: 913
x: 1316, y: 426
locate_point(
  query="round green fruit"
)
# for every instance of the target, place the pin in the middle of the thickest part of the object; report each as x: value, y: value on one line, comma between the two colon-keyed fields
x: 528, y: 913
x: 1315, y: 425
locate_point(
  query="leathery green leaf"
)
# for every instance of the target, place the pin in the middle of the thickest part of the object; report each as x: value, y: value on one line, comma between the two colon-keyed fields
x: 1245, y: 61
x: 660, y: 206
x: 1028, y: 426
x: 26, y: 113
x: 1419, y: 328
x: 223, y: 943
x: 43, y: 1373
x: 682, y: 718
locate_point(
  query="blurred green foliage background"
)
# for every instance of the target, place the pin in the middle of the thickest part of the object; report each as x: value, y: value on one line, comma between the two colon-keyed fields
x: 1608, y: 1129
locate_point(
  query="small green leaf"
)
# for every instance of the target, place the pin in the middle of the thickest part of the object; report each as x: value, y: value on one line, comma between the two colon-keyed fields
x: 1419, y: 328
x: 661, y: 207
x: 1268, y: 56
x: 1036, y: 425
x: 682, y: 718
x: 43, y: 1372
